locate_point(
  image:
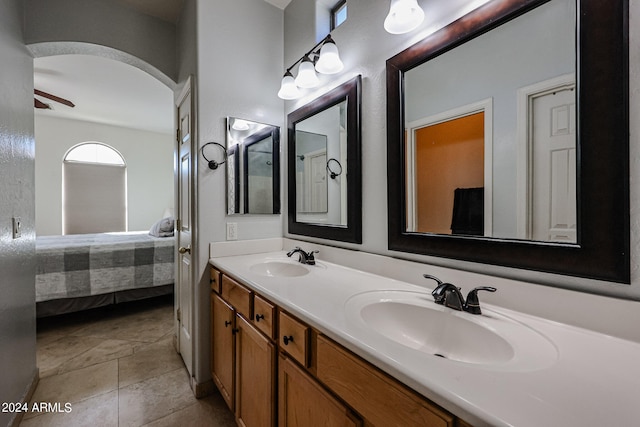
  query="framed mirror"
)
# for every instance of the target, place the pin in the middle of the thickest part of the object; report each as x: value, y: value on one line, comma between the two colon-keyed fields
x: 508, y: 139
x: 324, y: 166
x: 253, y: 167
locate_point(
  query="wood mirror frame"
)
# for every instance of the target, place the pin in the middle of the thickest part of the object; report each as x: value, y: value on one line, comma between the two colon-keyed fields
x: 352, y: 232
x: 602, y: 71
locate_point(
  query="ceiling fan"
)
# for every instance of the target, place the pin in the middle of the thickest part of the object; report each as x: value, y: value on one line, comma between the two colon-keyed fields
x: 42, y: 105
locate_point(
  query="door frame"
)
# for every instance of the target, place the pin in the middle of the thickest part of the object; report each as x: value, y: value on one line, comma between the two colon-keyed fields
x: 188, y: 88
x: 483, y: 106
x: 524, y: 183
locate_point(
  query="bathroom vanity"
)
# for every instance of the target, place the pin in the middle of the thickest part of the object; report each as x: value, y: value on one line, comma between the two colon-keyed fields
x: 326, y: 344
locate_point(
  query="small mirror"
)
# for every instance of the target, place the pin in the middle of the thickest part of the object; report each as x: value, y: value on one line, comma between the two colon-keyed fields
x: 253, y: 167
x: 324, y: 166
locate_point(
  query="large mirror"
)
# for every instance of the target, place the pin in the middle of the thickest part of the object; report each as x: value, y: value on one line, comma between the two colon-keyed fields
x: 508, y: 145
x: 253, y: 167
x: 324, y: 166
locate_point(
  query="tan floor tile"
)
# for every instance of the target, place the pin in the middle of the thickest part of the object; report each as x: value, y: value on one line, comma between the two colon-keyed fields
x: 99, y: 411
x: 211, y: 411
x: 156, y: 359
x: 154, y: 398
x: 53, y: 354
x: 78, y: 385
x: 126, y: 328
x: 106, y: 350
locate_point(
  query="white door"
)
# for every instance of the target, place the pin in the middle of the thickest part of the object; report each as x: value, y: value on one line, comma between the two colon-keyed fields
x: 315, y: 167
x: 184, y: 291
x: 554, y: 167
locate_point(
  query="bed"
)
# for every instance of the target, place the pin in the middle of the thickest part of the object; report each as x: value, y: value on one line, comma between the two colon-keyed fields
x: 82, y: 271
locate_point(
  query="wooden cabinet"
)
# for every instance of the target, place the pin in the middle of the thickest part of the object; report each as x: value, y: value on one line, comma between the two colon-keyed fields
x: 243, y: 364
x: 381, y: 400
x: 238, y: 296
x: 222, y: 348
x: 319, y: 382
x: 303, y: 402
x: 264, y: 317
x: 215, y: 280
x: 294, y: 338
x: 255, y: 377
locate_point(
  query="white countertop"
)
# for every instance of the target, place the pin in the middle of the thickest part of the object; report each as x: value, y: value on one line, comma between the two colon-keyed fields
x: 591, y: 380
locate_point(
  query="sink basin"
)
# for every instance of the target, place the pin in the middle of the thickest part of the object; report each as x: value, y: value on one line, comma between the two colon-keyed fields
x: 279, y: 269
x: 414, y: 322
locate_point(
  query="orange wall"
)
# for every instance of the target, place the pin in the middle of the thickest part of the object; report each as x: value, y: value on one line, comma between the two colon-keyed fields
x: 449, y: 155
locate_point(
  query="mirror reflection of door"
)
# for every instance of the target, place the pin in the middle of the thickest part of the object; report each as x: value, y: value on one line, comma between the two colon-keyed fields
x: 311, y: 175
x: 259, y: 157
x: 449, y: 160
x: 233, y: 180
x: 553, y: 145
x: 448, y: 163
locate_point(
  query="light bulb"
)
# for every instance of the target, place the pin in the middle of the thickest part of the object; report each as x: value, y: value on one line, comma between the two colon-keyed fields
x: 404, y: 16
x: 329, y: 61
x: 288, y: 88
x: 241, y: 125
x: 307, y: 77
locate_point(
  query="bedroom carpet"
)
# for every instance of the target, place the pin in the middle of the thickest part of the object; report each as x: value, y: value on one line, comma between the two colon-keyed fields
x: 117, y: 366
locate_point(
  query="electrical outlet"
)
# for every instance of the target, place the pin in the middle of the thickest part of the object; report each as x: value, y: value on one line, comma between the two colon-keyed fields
x: 232, y: 231
x: 17, y: 227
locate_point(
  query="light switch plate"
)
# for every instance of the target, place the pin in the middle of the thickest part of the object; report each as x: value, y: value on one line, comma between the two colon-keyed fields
x: 232, y: 231
x: 17, y: 227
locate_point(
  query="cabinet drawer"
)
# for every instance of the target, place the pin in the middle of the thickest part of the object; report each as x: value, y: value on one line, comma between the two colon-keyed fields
x: 215, y: 280
x: 294, y: 338
x: 237, y: 295
x: 264, y: 316
x: 379, y: 399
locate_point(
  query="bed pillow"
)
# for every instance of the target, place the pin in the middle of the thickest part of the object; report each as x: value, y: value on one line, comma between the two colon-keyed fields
x: 162, y: 228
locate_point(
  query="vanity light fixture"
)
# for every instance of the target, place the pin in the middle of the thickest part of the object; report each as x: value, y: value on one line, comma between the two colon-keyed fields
x: 288, y: 88
x: 404, y: 16
x: 323, y: 58
x: 307, y: 77
x: 240, y: 125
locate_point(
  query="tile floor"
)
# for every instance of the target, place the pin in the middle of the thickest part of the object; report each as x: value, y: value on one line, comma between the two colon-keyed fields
x: 117, y: 366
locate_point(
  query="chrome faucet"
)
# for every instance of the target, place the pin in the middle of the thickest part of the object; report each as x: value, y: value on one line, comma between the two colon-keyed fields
x: 303, y: 257
x: 450, y: 296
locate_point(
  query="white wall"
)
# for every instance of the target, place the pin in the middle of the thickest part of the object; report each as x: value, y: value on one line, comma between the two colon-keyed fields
x: 17, y: 256
x: 101, y: 27
x: 238, y: 74
x: 149, y: 159
x: 364, y: 47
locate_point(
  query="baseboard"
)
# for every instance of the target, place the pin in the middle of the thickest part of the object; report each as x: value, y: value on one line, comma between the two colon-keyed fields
x: 27, y: 397
x: 201, y: 390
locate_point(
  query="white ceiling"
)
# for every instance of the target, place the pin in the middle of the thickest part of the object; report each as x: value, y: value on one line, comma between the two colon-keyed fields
x: 104, y: 91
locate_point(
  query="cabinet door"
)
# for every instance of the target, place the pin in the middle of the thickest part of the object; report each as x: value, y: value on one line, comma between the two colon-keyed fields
x: 381, y: 400
x: 303, y: 402
x: 255, y: 377
x: 222, y: 348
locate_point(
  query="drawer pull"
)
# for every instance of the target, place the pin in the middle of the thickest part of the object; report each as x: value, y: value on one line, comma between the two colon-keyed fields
x: 287, y: 339
x: 226, y: 323
x: 234, y: 331
x: 259, y: 316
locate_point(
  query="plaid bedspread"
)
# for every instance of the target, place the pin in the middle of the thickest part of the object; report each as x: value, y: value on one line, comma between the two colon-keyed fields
x: 92, y: 264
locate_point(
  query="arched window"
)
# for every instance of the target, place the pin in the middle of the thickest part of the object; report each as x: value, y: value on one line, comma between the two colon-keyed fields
x: 94, y: 190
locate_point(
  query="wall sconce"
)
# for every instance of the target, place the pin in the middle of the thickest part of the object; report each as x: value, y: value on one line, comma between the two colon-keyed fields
x: 325, y: 60
x: 404, y: 16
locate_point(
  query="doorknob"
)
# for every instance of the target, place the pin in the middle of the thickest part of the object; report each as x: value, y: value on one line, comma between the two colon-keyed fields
x: 184, y: 250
